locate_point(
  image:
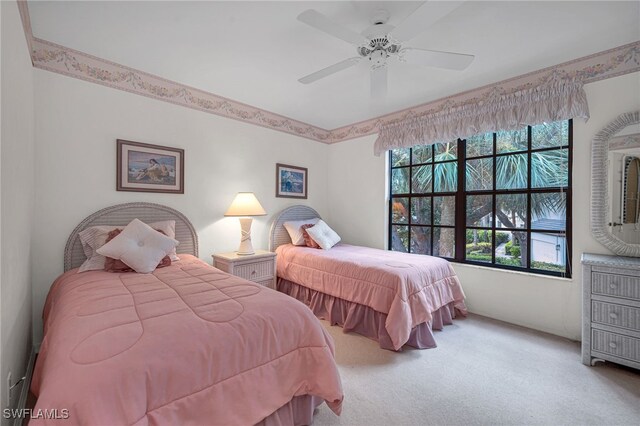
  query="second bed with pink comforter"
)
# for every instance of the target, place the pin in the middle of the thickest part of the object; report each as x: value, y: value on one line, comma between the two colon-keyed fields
x: 408, y: 289
x: 187, y: 344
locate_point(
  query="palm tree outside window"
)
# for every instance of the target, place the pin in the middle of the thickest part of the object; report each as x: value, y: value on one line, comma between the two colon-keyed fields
x: 501, y: 199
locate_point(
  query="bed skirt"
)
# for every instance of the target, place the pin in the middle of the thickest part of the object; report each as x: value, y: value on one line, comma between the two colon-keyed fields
x: 299, y: 411
x: 364, y: 320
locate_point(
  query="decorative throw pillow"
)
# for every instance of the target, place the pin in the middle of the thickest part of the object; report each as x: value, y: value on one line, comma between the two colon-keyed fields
x: 92, y: 239
x: 139, y: 246
x: 168, y: 228
x: 294, y: 228
x: 117, y: 265
x: 308, y: 241
x: 95, y: 237
x: 323, y: 235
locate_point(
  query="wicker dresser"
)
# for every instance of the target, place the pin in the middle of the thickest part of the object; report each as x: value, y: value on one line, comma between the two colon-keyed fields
x: 611, y: 309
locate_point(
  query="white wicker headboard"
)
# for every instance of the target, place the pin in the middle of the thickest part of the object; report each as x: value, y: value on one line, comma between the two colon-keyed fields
x: 279, y: 235
x: 121, y: 215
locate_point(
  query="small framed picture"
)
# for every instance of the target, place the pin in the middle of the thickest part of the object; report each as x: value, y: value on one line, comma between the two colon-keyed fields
x: 143, y: 167
x: 291, y: 181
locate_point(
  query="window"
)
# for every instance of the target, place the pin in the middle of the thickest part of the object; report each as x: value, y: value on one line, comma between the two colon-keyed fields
x: 501, y: 199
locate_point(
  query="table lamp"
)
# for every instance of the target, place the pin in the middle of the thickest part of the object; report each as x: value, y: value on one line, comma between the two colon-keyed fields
x: 245, y: 204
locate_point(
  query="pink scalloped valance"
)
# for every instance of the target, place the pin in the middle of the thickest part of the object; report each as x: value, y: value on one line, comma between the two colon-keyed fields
x: 547, y: 102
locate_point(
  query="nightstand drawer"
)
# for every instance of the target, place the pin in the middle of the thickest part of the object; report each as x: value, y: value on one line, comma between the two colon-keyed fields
x: 256, y: 271
x: 259, y: 267
x: 616, y: 315
x: 267, y: 283
x: 615, y: 344
x: 615, y: 285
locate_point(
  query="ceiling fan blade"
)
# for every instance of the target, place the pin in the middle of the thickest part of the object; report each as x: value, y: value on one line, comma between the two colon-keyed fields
x: 434, y: 58
x: 379, y: 83
x: 325, y: 72
x: 321, y: 22
x: 425, y: 16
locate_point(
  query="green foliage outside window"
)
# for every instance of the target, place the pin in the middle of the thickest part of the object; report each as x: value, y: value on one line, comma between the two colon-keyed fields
x: 530, y: 159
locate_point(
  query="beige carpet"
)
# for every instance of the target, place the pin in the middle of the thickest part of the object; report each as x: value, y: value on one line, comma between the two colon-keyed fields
x: 483, y: 372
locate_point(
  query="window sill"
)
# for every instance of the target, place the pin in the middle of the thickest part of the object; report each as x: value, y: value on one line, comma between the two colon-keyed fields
x: 510, y: 271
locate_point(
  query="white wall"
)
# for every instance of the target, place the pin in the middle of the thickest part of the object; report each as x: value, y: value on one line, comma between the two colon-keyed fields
x: 77, y: 124
x: 357, y: 209
x: 357, y: 192
x: 17, y: 178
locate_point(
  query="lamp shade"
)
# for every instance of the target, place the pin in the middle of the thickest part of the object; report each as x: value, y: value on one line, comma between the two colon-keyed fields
x: 245, y: 204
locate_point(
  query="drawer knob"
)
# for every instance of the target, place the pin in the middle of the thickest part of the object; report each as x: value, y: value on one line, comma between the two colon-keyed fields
x: 613, y: 315
x: 613, y: 345
x: 613, y: 286
x: 253, y: 272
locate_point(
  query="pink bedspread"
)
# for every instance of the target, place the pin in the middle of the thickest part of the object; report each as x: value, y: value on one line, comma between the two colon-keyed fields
x: 188, y: 344
x: 406, y: 287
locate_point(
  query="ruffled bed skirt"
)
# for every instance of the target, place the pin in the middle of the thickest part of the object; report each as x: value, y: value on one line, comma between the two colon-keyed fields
x: 364, y: 320
x: 299, y: 411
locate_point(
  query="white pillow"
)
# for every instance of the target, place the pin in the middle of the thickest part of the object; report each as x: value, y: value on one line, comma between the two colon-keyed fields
x: 94, y: 237
x: 169, y: 229
x: 139, y: 246
x: 294, y: 228
x: 323, y: 235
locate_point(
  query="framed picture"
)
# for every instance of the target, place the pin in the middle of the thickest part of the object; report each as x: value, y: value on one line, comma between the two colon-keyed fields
x: 291, y: 181
x: 142, y: 167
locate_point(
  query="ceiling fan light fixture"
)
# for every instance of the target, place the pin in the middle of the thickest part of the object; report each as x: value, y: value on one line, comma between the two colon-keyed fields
x: 378, y: 58
x: 378, y: 44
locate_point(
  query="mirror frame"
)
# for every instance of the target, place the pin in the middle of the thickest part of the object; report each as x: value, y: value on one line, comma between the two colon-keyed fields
x: 599, y: 183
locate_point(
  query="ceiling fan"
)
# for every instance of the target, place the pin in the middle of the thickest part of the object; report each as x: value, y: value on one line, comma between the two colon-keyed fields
x: 381, y: 42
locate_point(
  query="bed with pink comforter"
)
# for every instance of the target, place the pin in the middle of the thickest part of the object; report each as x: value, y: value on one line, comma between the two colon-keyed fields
x: 403, y: 292
x: 187, y: 344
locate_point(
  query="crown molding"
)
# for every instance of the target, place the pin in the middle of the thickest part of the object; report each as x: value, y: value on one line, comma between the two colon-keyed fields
x: 63, y: 60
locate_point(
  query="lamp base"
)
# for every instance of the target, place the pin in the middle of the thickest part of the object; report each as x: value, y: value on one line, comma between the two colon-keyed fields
x: 246, y: 247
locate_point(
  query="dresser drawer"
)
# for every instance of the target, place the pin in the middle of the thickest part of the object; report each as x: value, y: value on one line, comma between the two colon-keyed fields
x: 616, y: 315
x: 615, y: 285
x: 615, y: 344
x: 256, y: 271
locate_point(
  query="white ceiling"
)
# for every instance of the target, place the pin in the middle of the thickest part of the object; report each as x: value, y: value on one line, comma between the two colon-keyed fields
x: 254, y: 52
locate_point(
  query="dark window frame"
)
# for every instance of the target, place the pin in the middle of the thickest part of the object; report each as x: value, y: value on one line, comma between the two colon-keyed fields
x: 461, y: 194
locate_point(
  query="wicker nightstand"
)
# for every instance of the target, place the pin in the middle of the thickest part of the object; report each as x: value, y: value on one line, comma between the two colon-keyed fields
x: 259, y: 267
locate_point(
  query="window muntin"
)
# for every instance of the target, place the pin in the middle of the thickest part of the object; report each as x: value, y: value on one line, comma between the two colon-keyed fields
x: 424, y: 182
x: 500, y: 199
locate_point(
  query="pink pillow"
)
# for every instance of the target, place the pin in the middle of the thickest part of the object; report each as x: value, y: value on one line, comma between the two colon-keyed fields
x: 308, y: 241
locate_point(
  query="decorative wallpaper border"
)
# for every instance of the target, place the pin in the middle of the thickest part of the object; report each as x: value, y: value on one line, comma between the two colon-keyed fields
x: 63, y: 60
x: 26, y: 22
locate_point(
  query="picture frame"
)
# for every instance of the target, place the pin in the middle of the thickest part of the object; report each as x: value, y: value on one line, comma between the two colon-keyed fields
x: 143, y: 167
x: 291, y: 181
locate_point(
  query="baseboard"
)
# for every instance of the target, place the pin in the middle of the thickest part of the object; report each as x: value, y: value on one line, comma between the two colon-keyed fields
x: 26, y: 385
